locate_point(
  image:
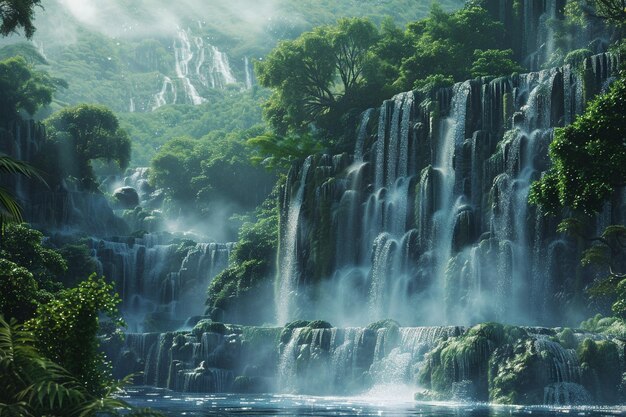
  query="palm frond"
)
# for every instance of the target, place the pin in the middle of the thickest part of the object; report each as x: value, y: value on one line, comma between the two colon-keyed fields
x: 15, y: 166
x: 10, y: 210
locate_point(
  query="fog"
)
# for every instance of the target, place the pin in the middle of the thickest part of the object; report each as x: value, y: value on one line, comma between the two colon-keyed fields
x: 152, y: 18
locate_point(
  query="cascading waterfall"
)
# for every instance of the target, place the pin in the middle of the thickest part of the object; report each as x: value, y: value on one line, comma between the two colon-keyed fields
x: 152, y: 277
x: 183, y: 56
x: 430, y: 222
x: 160, y: 99
x: 288, y: 268
x: 198, y: 65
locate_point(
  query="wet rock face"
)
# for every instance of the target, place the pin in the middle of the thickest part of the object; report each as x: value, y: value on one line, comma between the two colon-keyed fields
x: 429, y: 222
x: 488, y: 362
x: 127, y: 197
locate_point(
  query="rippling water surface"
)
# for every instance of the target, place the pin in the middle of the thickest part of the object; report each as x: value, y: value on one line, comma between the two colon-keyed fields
x: 386, y: 402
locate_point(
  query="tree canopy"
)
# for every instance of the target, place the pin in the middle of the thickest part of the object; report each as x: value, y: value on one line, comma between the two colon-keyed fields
x: 23, y: 88
x: 83, y: 133
x: 18, y: 14
x: 320, y: 75
x: 215, y: 169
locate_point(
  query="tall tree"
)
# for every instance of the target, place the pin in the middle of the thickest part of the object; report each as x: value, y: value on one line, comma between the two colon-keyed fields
x: 83, y: 133
x: 317, y: 77
x: 16, y: 14
x: 23, y: 88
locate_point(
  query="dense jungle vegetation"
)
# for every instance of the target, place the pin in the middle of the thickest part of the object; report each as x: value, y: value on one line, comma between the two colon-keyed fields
x: 316, y: 74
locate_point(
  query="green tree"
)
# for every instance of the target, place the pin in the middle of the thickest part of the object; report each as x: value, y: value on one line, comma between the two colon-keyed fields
x: 588, y: 164
x: 16, y: 14
x: 23, y: 245
x: 83, y: 133
x: 588, y: 157
x: 321, y: 75
x: 444, y: 43
x: 613, y: 11
x: 66, y: 330
x: 215, y: 169
x: 494, y: 62
x: 23, y: 88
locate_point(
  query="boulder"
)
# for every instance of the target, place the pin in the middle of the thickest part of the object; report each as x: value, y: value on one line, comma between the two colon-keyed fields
x: 127, y: 197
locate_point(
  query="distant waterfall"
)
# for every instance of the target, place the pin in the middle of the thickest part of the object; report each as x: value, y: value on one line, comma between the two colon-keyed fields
x: 198, y: 66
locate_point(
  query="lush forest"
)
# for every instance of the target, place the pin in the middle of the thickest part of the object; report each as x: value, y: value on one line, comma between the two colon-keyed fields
x: 329, y: 139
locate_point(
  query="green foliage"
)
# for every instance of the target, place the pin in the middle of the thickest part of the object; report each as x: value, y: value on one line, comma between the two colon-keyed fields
x: 252, y: 259
x: 432, y: 82
x: 226, y: 111
x: 601, y: 372
x: 577, y: 57
x: 83, y: 133
x: 278, y: 152
x: 494, y: 62
x: 18, y: 14
x: 611, y: 326
x: 66, y: 329
x: 18, y: 291
x: 80, y: 264
x: 10, y: 211
x: 23, y: 246
x: 208, y: 326
x: 23, y: 88
x: 211, y: 171
x: 32, y: 385
x: 320, y: 76
x: 589, y: 157
x: 444, y: 43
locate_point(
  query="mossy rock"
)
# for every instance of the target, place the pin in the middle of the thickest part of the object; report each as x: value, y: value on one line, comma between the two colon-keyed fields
x: 287, y: 331
x: 567, y: 338
x: 601, y: 369
x: 319, y: 324
x: 383, y: 324
x: 209, y: 326
x: 516, y: 374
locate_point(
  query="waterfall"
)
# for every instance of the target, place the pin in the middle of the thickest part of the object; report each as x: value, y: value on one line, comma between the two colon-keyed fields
x: 430, y: 223
x: 151, y: 278
x: 219, y: 69
x: 160, y: 99
x: 249, y: 73
x: 360, y: 138
x: 288, y: 268
x: 183, y: 56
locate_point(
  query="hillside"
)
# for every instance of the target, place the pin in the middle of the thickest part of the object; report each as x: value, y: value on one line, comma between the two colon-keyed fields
x: 139, y: 57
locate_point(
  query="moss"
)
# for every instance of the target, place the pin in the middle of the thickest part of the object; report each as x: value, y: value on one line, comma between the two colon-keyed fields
x: 567, y: 339
x: 601, y: 370
x: 466, y: 358
x: 287, y: 331
x: 320, y: 324
x: 513, y: 373
x: 383, y: 324
x: 209, y: 326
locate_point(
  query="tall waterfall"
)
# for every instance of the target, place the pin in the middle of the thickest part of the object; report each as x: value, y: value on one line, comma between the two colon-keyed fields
x: 198, y: 66
x: 429, y: 223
